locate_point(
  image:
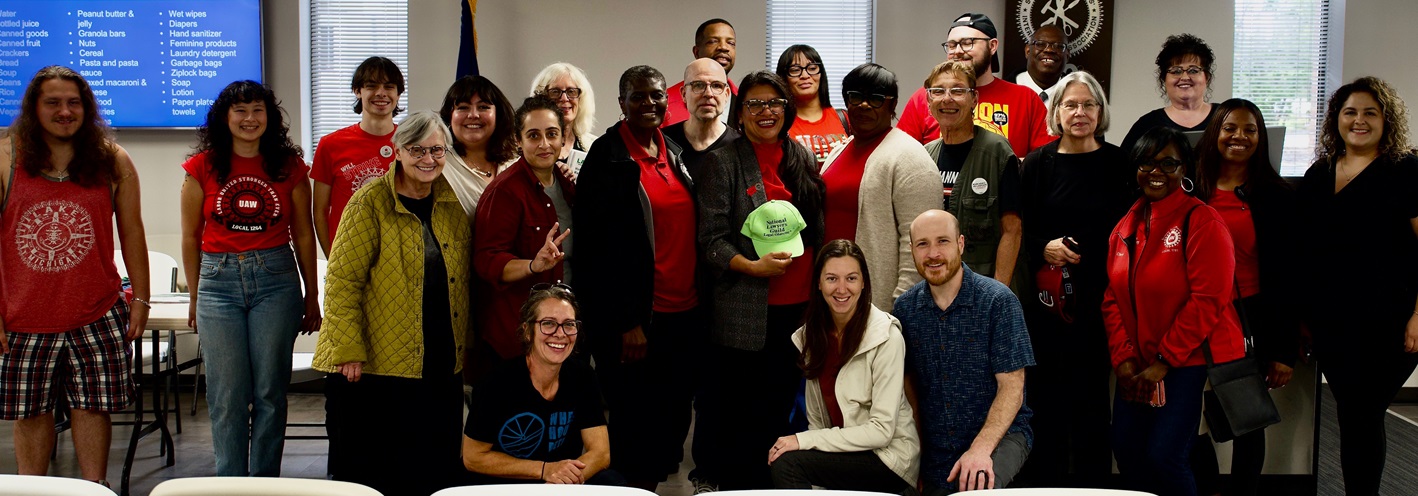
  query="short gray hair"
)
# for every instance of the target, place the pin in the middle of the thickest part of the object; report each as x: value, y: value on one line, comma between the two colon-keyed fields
x: 420, y: 126
x: 1056, y: 101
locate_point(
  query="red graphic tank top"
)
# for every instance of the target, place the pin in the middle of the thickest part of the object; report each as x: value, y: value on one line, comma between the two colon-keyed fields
x: 56, y: 264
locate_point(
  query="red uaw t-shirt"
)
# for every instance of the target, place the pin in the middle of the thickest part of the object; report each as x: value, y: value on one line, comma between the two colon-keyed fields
x: 248, y: 211
x: 56, y: 265
x: 346, y: 160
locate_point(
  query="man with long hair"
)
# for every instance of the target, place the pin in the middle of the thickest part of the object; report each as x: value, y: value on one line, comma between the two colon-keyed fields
x: 63, y: 181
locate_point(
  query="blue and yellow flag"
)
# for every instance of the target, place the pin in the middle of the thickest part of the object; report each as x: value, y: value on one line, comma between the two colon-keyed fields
x: 468, y: 43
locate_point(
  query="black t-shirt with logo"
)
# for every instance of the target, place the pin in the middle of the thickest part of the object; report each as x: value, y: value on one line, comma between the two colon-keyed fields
x: 508, y: 412
x: 952, y: 157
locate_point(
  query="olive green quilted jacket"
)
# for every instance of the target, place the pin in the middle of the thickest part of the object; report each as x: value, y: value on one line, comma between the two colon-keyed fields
x: 374, y: 287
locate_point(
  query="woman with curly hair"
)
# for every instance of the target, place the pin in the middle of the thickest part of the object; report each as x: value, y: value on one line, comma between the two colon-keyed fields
x: 1185, y: 67
x: 245, y: 199
x: 1363, y: 191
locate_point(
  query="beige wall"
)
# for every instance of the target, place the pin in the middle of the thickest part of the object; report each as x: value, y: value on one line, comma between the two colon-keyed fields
x: 1374, y: 45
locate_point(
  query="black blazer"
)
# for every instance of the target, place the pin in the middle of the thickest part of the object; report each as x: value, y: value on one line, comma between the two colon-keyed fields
x: 731, y: 189
x: 614, y: 238
x: 1276, y: 326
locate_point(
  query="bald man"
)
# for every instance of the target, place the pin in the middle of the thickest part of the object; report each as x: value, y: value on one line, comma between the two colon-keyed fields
x: 966, y: 350
x: 706, y: 98
x: 1047, y: 55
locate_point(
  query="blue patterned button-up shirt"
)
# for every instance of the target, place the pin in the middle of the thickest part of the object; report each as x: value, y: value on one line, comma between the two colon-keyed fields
x: 953, y: 356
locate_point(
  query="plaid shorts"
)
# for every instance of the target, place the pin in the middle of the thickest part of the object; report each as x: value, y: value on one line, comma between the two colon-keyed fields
x: 89, y: 364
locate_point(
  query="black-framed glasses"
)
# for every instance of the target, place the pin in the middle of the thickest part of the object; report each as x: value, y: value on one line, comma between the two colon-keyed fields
x: 714, y: 88
x: 797, y: 70
x: 543, y: 286
x: 776, y: 106
x: 1087, y: 106
x: 937, y: 93
x: 1168, y: 165
x: 417, y: 152
x: 549, y: 327
x: 1177, y: 70
x: 874, y: 100
x: 1049, y: 45
x: 556, y: 93
x: 963, y: 44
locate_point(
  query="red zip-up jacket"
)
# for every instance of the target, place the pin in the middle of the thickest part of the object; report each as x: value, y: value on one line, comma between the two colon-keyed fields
x: 1160, y: 300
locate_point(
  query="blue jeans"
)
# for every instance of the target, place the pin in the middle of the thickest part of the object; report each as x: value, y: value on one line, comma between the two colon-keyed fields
x: 1153, y: 445
x: 249, y: 308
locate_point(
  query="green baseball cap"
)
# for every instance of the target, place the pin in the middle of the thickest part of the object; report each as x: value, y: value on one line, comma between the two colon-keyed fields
x: 775, y: 227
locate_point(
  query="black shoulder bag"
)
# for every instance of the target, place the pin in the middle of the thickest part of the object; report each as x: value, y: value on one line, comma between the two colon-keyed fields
x: 1238, y: 402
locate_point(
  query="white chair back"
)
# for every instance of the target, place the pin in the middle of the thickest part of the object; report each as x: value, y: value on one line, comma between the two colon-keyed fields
x: 260, y: 486
x: 1054, y: 491
x: 162, y: 271
x: 798, y: 492
x: 541, y: 490
x: 31, y: 485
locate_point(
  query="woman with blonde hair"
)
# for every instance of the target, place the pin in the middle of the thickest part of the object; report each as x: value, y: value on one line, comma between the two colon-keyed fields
x: 567, y: 85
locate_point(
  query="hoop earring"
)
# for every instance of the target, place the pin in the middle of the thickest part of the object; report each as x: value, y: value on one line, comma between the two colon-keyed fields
x: 1188, y: 185
x: 622, y: 116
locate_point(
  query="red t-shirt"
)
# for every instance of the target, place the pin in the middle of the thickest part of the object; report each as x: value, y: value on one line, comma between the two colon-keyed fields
x: 676, y: 112
x: 821, y: 135
x: 346, y: 160
x: 1237, y: 216
x: 248, y: 211
x: 1007, y: 109
x: 673, y: 213
x: 791, y: 287
x: 831, y: 366
x: 843, y: 178
x: 56, y: 255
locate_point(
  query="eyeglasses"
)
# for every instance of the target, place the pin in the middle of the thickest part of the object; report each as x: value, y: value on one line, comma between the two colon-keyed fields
x: 875, y: 100
x: 556, y: 93
x: 714, y: 88
x: 1177, y: 70
x: 1168, y: 165
x: 1087, y: 106
x: 938, y: 93
x: 755, y: 107
x: 417, y: 152
x: 549, y: 327
x: 797, y: 70
x: 1049, y: 45
x: 963, y: 44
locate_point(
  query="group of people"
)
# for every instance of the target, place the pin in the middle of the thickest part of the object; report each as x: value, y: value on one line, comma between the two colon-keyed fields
x: 722, y: 249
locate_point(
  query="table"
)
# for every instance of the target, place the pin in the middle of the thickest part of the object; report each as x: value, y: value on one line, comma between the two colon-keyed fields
x: 167, y: 314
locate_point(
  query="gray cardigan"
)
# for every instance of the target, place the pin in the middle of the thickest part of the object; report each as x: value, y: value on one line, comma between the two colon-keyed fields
x: 741, y: 300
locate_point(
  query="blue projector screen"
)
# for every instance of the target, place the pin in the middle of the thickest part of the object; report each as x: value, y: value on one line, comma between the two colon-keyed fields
x: 152, y: 63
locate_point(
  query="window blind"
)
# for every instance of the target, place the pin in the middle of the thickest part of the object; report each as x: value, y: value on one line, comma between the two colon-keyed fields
x: 1281, y: 54
x: 342, y: 34
x: 842, y: 31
